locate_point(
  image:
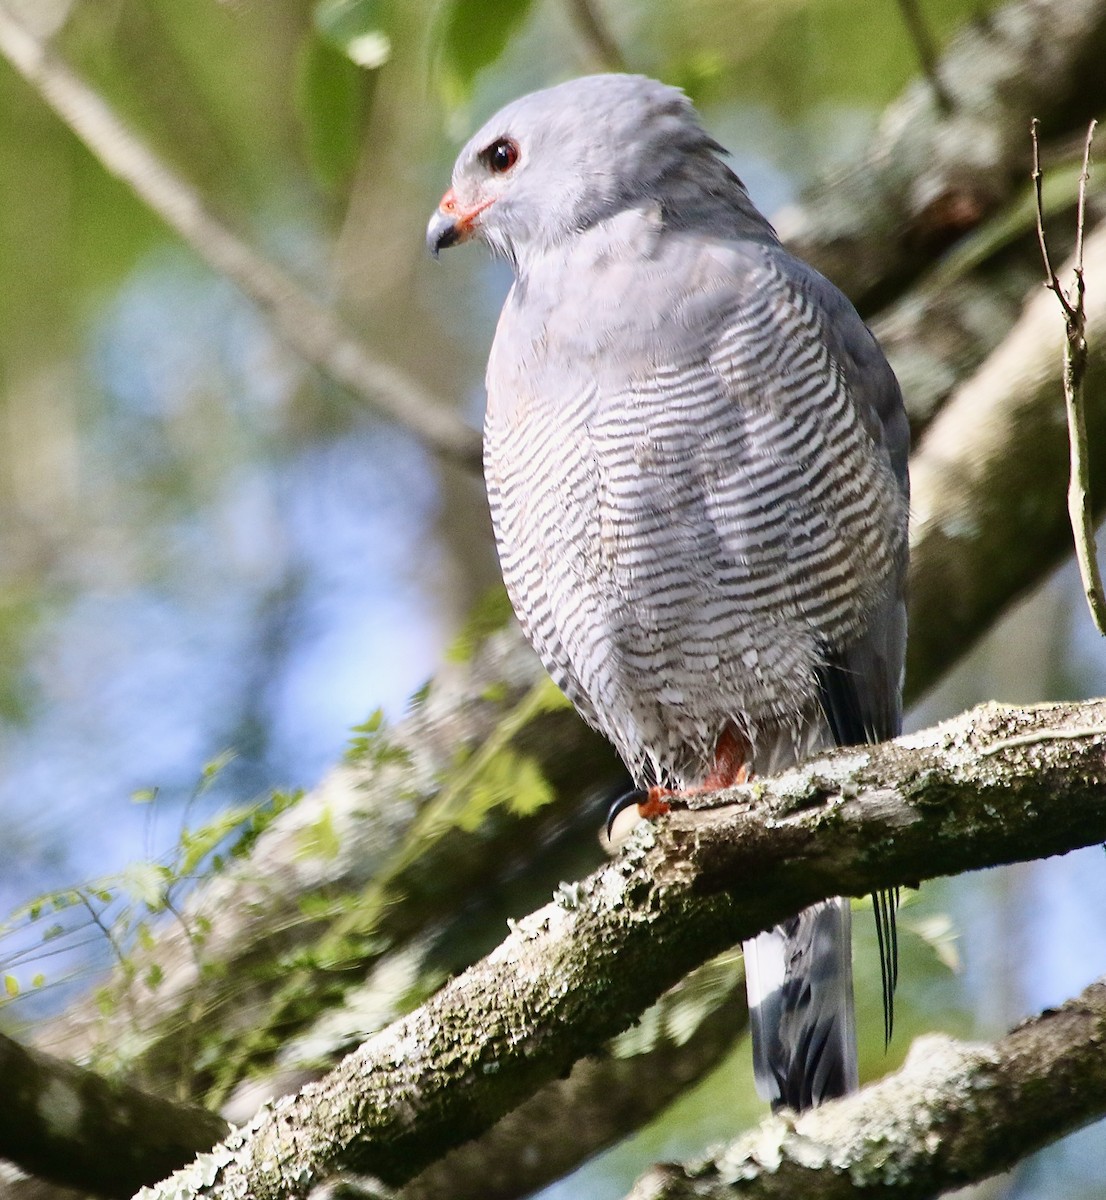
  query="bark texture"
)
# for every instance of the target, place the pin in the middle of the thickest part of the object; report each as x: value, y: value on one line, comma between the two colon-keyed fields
x: 928, y: 176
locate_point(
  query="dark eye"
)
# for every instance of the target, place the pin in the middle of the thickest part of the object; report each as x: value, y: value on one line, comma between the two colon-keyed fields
x: 501, y: 155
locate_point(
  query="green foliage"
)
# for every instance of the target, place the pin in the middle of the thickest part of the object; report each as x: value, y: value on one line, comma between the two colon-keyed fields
x: 369, y: 745
x: 330, y: 103
x: 472, y: 34
x: 489, y: 615
x: 20, y: 612
x: 358, y: 28
x: 481, y: 797
x: 118, y: 908
x: 320, y: 838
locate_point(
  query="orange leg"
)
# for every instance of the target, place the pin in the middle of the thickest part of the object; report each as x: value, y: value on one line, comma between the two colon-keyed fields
x: 655, y: 803
x: 731, y: 762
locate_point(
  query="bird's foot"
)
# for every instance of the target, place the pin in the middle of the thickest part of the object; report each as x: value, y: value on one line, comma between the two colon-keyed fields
x: 651, y: 803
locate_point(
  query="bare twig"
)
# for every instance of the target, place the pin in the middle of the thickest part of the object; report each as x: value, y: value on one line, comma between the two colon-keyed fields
x: 995, y: 444
x: 600, y: 43
x: 927, y: 55
x: 310, y: 328
x: 1073, y: 304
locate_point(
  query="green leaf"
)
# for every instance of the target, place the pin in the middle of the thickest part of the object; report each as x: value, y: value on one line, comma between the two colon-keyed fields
x: 508, y: 779
x: 320, y: 839
x: 472, y: 35
x: 369, y: 745
x: 146, y: 883
x: 214, y: 768
x: 940, y: 934
x: 197, y: 844
x: 330, y: 104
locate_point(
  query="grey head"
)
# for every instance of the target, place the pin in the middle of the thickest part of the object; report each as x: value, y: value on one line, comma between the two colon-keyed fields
x: 555, y: 162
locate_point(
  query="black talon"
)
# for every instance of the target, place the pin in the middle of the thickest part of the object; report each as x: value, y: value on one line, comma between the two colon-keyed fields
x: 636, y: 796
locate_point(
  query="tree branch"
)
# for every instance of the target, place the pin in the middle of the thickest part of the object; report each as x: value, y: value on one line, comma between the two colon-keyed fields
x: 997, y: 785
x: 927, y: 56
x: 955, y: 1114
x: 81, y: 1130
x: 311, y: 329
x: 602, y: 48
x: 1073, y: 306
x: 926, y: 177
x: 643, y: 1070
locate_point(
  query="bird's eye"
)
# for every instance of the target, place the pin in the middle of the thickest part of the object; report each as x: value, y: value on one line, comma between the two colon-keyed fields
x: 501, y: 155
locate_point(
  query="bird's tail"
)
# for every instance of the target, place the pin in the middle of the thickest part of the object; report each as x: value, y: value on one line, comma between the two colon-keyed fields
x: 800, y: 985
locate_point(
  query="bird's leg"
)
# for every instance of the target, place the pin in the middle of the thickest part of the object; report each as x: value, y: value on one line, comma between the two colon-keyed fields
x: 731, y: 762
x: 729, y: 768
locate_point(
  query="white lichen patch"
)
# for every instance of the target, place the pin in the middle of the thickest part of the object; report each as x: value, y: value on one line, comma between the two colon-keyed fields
x: 611, y: 892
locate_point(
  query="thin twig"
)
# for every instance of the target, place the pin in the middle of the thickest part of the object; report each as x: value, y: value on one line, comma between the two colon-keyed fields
x: 927, y: 54
x: 601, y: 44
x: 310, y: 328
x: 1073, y: 304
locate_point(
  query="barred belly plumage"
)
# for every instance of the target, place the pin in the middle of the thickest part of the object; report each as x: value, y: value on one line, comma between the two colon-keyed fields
x: 683, y: 557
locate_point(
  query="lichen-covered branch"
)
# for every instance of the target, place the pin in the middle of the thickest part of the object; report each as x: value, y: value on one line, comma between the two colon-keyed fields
x: 953, y: 1115
x: 642, y: 1071
x: 77, y: 1128
x: 996, y: 785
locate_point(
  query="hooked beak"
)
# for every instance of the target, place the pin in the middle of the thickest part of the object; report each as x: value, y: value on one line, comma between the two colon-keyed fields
x: 449, y: 225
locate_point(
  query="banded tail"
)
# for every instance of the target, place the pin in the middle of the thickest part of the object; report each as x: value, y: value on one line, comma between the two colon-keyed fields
x: 799, y: 980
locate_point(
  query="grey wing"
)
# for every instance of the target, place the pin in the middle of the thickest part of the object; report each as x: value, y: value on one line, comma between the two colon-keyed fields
x: 861, y: 681
x: 756, y: 514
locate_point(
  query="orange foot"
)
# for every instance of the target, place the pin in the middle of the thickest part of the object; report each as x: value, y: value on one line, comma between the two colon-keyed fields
x: 655, y: 803
x: 729, y: 769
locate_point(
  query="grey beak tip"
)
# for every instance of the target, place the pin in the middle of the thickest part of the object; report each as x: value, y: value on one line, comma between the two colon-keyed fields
x: 441, y: 234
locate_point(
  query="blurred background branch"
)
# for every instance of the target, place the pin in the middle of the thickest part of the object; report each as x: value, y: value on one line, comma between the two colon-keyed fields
x: 310, y: 328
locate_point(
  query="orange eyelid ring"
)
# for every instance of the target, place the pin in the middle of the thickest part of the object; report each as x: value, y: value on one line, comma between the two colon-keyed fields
x: 449, y: 225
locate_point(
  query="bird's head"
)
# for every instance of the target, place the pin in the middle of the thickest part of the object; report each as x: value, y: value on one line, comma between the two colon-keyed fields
x: 556, y: 161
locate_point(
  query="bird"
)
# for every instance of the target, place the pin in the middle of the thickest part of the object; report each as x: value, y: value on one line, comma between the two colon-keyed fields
x: 695, y: 455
